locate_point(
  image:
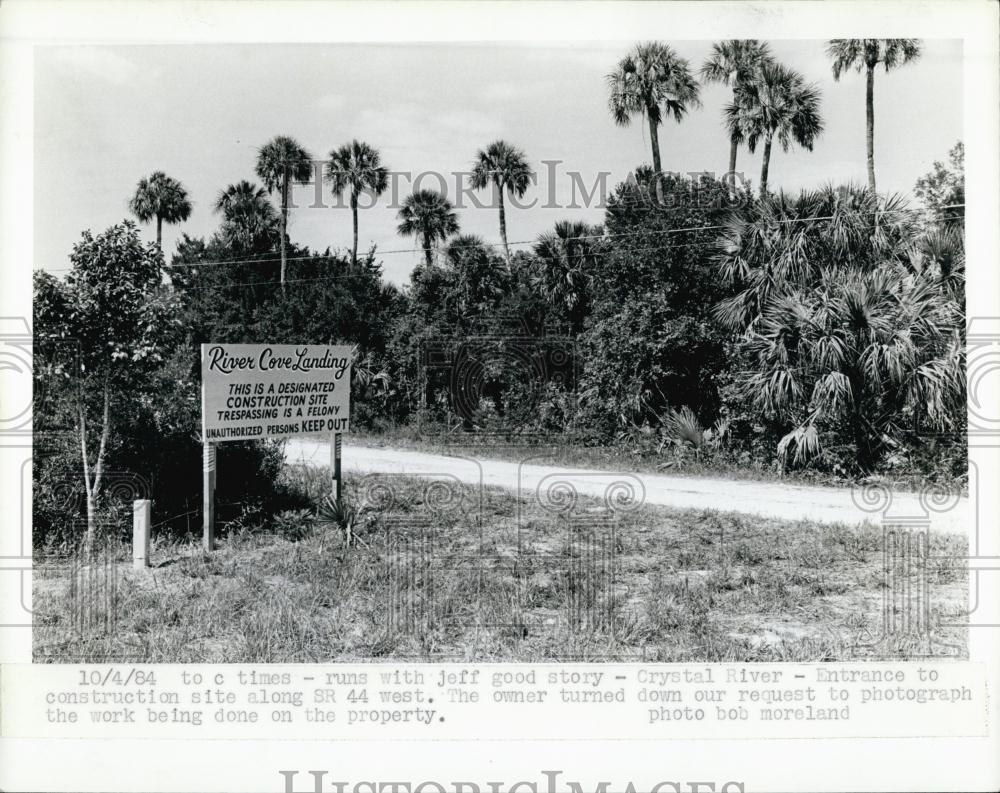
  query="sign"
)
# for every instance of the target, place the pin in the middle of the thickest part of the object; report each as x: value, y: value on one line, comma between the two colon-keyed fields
x: 253, y: 391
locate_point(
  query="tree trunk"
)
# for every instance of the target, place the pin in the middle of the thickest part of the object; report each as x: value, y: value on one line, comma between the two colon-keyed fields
x: 159, y: 232
x: 870, y: 128
x: 654, y: 139
x: 427, y: 249
x: 503, y: 227
x: 88, y: 543
x: 93, y: 485
x: 354, y: 213
x: 765, y: 164
x: 864, y: 455
x: 284, y: 224
x: 731, y: 175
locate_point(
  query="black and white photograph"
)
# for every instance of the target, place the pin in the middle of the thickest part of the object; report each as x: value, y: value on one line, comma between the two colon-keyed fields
x: 499, y: 396
x: 638, y: 337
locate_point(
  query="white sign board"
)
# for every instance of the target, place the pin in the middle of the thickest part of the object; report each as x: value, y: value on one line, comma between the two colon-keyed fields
x: 252, y: 391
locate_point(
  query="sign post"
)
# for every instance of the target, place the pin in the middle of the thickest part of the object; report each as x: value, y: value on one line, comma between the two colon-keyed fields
x: 256, y: 391
x: 208, y: 467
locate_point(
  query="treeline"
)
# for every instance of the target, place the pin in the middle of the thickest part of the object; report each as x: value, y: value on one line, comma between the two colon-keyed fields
x: 700, y: 321
x: 821, y: 331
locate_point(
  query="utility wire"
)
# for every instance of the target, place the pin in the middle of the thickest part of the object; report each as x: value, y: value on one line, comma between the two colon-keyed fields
x: 315, y: 256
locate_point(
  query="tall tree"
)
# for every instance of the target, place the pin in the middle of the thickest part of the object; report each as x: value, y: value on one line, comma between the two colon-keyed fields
x: 734, y: 62
x: 942, y: 191
x: 249, y: 221
x: 776, y: 104
x: 280, y: 162
x: 428, y: 215
x: 119, y: 320
x: 864, y: 55
x: 161, y: 197
x: 652, y: 81
x: 356, y: 167
x: 506, y: 168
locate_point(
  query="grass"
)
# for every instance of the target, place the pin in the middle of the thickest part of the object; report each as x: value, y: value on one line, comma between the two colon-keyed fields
x: 483, y: 577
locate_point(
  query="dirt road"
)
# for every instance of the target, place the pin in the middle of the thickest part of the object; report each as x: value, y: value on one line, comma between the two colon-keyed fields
x: 538, y: 480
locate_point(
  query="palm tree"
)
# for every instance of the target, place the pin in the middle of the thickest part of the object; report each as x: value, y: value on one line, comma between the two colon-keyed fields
x: 865, y: 55
x: 249, y: 221
x: 281, y: 161
x: 566, y: 257
x: 849, y: 326
x: 356, y: 166
x: 776, y: 103
x: 652, y: 81
x: 161, y: 197
x: 735, y: 62
x: 506, y: 167
x: 429, y: 215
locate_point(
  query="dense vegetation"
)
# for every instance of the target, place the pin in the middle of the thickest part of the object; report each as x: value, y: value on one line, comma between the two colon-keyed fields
x: 702, y: 321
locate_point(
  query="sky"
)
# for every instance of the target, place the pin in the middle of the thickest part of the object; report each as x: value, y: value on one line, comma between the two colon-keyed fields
x: 107, y: 116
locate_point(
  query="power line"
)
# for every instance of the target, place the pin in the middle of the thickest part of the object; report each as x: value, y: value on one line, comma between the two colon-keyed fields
x: 313, y: 257
x: 335, y: 277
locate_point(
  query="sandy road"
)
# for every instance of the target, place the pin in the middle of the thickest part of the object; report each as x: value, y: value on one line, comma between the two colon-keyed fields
x: 947, y: 513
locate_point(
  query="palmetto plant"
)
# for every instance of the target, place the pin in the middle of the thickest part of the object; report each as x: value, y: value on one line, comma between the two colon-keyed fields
x: 280, y: 162
x: 846, y: 322
x: 428, y: 215
x: 776, y: 104
x: 356, y: 167
x: 341, y: 516
x: 249, y: 221
x: 865, y: 55
x: 682, y: 427
x: 655, y: 82
x: 161, y: 197
x: 786, y: 239
x: 735, y: 62
x: 506, y: 168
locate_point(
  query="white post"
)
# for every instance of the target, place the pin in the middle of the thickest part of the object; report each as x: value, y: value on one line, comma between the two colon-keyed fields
x: 141, y: 509
x: 335, y: 446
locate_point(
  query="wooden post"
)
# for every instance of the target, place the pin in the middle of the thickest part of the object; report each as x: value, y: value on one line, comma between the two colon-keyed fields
x: 141, y: 509
x: 335, y: 466
x: 208, y: 496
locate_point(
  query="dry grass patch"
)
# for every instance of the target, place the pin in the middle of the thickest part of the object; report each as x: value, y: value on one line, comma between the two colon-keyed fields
x: 483, y: 578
